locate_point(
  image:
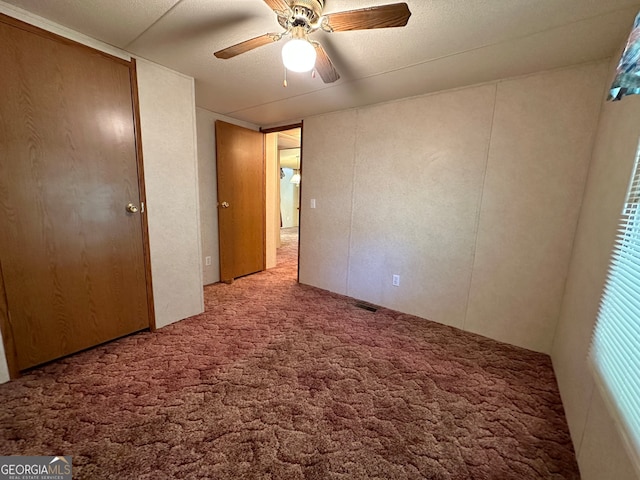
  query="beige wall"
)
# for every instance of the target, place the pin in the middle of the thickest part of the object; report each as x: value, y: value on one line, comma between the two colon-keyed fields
x: 168, y: 125
x: 541, y: 142
x: 419, y: 170
x: 272, y: 200
x: 598, y: 446
x: 208, y: 189
x: 329, y: 147
x: 472, y: 196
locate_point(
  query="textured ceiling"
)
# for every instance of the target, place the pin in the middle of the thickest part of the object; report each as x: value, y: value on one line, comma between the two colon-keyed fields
x: 446, y: 44
x: 117, y: 22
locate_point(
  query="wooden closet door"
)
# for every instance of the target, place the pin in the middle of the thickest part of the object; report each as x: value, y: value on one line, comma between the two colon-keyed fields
x: 72, y: 256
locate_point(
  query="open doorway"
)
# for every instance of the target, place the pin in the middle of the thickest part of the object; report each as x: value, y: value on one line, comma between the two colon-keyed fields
x: 290, y: 178
x: 287, y: 195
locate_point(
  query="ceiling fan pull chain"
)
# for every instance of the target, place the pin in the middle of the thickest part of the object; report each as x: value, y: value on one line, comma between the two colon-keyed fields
x: 284, y: 84
x: 313, y: 73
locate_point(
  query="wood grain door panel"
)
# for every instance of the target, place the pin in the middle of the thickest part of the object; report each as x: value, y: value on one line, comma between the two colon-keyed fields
x: 72, y: 257
x: 241, y: 185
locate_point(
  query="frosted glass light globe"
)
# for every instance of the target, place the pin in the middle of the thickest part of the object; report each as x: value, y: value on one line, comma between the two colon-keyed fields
x: 298, y: 55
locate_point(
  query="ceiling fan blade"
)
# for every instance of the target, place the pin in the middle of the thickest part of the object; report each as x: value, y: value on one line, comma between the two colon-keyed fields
x: 278, y: 5
x: 383, y: 16
x: 247, y: 45
x: 324, y: 67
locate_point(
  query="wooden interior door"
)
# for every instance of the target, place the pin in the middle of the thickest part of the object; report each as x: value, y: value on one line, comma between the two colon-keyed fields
x: 241, y: 200
x: 72, y: 256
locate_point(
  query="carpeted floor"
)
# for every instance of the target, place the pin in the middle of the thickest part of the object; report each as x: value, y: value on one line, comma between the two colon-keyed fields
x: 283, y: 381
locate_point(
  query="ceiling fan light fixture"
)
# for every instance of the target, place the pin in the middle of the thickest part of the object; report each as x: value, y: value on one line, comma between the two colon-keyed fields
x: 298, y: 55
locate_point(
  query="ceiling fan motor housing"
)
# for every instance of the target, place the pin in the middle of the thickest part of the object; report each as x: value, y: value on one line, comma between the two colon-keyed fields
x: 306, y: 13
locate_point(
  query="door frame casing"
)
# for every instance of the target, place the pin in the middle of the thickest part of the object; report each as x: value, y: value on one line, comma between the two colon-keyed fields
x: 5, y: 317
x: 133, y: 72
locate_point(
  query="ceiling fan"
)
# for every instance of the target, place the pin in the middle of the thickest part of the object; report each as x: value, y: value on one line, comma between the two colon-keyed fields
x: 300, y: 18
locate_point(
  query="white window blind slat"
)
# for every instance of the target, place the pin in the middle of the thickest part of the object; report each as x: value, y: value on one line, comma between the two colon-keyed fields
x: 626, y: 394
x: 624, y: 329
x: 625, y: 360
x: 621, y: 279
x: 625, y: 402
x: 617, y: 340
x: 624, y: 302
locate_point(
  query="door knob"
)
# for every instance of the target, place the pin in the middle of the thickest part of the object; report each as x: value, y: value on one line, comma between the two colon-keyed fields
x: 131, y: 208
x: 224, y: 205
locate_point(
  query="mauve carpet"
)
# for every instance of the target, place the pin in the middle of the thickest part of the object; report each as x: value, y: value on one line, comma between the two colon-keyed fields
x: 278, y: 380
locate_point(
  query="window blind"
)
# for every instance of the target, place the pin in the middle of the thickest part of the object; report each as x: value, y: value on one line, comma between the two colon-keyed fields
x: 615, y: 350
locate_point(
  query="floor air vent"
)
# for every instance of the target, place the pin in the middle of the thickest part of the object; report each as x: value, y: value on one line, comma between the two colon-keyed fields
x: 366, y: 306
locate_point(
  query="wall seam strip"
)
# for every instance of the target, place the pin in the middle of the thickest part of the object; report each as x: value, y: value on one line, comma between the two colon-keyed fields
x: 353, y: 197
x: 578, y: 448
x: 479, y: 211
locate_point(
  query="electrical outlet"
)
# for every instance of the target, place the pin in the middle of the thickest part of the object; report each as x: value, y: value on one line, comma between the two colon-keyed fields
x: 395, y: 280
x: 312, y: 203
x: 207, y: 261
